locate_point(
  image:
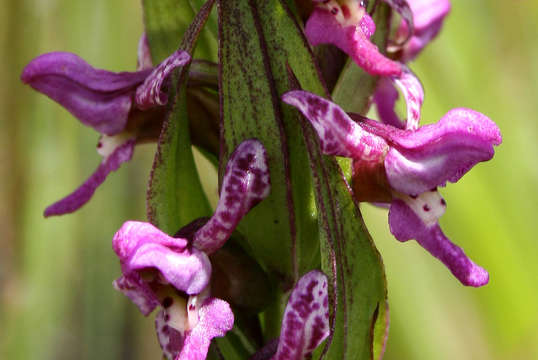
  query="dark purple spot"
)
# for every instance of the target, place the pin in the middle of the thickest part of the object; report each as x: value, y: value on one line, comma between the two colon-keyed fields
x: 426, y: 207
x: 443, y: 202
x: 192, y: 307
x: 334, y: 10
x: 167, y: 302
x: 412, y: 196
x: 433, y: 189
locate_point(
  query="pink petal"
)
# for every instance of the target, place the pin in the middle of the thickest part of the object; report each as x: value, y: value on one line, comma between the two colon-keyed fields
x: 216, y: 318
x: 142, y: 246
x: 150, y: 93
x: 434, y: 154
x: 405, y: 224
x: 323, y: 28
x: 338, y: 133
x: 245, y: 183
x: 83, y: 194
x: 138, y: 292
x: 306, y: 319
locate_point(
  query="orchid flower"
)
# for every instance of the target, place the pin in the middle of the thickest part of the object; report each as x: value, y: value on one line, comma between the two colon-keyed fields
x: 125, y: 108
x: 174, y: 272
x: 346, y: 25
x: 305, y: 324
x: 405, y: 167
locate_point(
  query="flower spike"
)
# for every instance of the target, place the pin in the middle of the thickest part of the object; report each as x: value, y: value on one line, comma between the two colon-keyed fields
x: 306, y: 319
x: 245, y: 183
x: 404, y: 167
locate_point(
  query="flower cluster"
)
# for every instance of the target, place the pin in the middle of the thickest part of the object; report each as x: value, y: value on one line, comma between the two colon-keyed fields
x: 395, y: 162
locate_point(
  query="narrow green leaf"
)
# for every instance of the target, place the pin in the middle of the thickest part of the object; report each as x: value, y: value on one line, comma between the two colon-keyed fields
x: 175, y: 194
x: 260, y: 43
x: 257, y: 41
x: 354, y: 86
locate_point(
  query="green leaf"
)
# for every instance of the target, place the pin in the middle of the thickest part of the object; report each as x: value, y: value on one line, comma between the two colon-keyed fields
x: 175, y: 194
x: 258, y: 40
x: 261, y: 44
x: 354, y: 86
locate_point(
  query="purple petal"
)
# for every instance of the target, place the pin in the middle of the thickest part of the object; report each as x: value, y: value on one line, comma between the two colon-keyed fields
x: 323, y: 27
x: 338, y: 133
x: 141, y: 246
x: 98, y: 98
x: 386, y: 95
x: 413, y: 95
x: 405, y: 224
x: 215, y: 319
x: 151, y: 92
x: 306, y: 318
x: 138, y: 292
x: 428, y: 157
x: 144, y: 55
x: 428, y: 17
x: 83, y: 194
x: 385, y: 98
x: 246, y: 182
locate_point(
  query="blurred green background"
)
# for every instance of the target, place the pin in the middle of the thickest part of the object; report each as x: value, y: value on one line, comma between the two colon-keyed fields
x: 56, y: 298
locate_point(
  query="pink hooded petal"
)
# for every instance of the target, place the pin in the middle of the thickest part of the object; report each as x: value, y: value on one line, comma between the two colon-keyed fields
x: 246, y: 182
x: 323, y: 28
x: 306, y: 319
x: 216, y: 318
x: 83, y: 194
x: 98, y: 98
x: 434, y: 154
x: 428, y: 17
x: 138, y: 292
x: 338, y: 134
x: 405, y: 224
x: 150, y: 93
x: 141, y: 246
